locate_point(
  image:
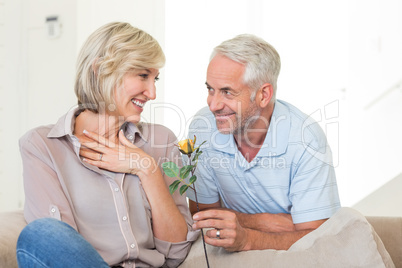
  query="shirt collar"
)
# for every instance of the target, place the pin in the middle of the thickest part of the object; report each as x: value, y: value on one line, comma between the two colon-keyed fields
x: 65, y: 126
x: 276, y: 140
x: 135, y: 131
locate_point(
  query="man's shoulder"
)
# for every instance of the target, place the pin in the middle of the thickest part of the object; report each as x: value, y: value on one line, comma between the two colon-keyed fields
x: 304, y: 127
x: 203, y: 115
x: 203, y: 122
x: 295, y: 114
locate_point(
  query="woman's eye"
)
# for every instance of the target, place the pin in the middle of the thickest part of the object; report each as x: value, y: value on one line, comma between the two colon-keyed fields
x: 156, y: 78
x: 145, y: 76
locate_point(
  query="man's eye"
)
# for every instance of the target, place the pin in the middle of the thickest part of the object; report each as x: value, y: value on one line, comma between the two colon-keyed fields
x: 227, y: 92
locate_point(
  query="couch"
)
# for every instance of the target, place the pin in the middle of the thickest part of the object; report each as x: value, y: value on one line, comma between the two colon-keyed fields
x: 388, y: 229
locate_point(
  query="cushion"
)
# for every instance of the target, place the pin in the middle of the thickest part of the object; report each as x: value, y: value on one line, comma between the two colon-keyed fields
x: 11, y: 224
x: 344, y: 240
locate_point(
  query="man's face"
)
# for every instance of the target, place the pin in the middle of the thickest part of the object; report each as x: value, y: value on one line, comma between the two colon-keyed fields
x: 228, y: 97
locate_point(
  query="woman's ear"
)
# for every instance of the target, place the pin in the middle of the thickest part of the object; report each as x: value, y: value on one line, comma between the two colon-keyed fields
x: 265, y: 95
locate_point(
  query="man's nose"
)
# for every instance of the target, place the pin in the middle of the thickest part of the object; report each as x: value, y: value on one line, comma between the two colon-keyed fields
x: 215, y: 103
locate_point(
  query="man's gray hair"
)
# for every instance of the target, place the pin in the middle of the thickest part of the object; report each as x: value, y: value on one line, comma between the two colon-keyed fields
x: 261, y: 60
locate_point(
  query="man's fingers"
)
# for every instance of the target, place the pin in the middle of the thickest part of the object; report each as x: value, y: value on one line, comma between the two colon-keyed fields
x: 210, y: 223
x: 214, y: 214
x: 227, y: 243
x: 217, y: 233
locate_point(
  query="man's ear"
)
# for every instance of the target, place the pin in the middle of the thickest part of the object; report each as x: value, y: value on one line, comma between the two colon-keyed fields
x: 265, y: 94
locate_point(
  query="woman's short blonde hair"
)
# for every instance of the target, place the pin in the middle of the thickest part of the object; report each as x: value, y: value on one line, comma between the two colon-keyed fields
x: 107, y: 55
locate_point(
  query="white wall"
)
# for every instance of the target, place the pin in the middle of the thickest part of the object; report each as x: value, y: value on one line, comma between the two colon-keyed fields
x: 375, y: 110
x: 11, y: 107
x: 340, y: 61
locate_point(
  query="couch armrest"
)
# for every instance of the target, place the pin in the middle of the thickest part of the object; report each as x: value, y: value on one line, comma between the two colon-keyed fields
x: 11, y: 224
x: 389, y: 229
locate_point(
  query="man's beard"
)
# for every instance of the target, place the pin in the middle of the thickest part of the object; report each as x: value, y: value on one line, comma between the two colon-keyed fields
x: 246, y: 120
x: 243, y: 121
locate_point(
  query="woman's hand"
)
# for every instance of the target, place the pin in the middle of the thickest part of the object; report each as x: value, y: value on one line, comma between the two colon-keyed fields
x: 124, y: 157
x: 168, y: 223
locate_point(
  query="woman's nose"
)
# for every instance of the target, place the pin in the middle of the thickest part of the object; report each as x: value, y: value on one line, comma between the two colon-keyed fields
x: 150, y: 93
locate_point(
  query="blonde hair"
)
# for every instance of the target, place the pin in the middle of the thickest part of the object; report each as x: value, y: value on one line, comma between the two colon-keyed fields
x: 107, y: 55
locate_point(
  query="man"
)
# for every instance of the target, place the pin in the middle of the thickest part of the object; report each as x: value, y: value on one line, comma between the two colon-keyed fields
x: 265, y: 161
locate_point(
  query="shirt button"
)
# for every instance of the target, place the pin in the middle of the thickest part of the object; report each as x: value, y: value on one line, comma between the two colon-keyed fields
x: 132, y: 246
x: 116, y: 189
x: 130, y: 137
x: 124, y: 218
x: 53, y: 210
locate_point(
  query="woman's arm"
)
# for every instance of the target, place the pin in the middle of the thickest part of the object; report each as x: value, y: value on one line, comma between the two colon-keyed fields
x: 44, y: 196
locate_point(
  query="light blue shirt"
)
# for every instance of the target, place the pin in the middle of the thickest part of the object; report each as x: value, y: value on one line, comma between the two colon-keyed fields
x: 292, y: 172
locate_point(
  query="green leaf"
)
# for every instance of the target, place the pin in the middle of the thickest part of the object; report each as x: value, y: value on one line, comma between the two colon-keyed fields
x: 197, y: 155
x: 173, y: 187
x: 183, y: 189
x: 192, y: 179
x: 198, y: 148
x: 170, y: 169
x: 184, y: 171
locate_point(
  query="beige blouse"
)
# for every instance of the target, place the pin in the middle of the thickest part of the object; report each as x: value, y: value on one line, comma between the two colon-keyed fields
x: 109, y: 209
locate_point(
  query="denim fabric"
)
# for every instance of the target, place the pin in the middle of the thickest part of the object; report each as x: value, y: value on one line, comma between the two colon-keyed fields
x: 49, y: 243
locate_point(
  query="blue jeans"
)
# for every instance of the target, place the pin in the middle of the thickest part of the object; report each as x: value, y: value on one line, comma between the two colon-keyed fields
x: 51, y: 243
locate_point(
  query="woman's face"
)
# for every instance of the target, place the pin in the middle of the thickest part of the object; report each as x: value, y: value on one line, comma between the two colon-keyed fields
x: 137, y: 88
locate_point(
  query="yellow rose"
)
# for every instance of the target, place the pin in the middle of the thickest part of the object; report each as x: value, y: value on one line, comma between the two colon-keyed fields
x: 186, y: 146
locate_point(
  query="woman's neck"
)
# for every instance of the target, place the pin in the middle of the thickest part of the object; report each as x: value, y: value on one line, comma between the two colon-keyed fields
x: 104, y: 124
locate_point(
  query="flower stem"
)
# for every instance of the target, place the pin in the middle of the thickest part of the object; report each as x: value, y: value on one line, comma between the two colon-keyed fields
x: 202, y: 232
x: 198, y: 209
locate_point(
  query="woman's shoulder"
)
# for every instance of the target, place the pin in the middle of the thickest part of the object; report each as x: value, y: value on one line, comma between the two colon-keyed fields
x: 36, y: 134
x: 156, y: 131
x: 36, y: 140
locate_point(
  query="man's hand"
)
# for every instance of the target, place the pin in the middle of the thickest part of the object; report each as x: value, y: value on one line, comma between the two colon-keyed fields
x: 264, y: 222
x: 240, y: 231
x: 233, y: 237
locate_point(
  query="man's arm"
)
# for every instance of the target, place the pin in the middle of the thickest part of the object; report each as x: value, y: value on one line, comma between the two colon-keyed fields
x: 236, y: 237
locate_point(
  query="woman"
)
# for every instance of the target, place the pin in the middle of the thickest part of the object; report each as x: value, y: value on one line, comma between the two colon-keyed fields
x: 95, y: 194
